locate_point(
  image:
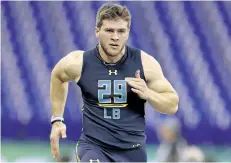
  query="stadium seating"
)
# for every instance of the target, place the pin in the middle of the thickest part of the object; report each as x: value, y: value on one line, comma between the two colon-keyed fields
x: 191, y: 41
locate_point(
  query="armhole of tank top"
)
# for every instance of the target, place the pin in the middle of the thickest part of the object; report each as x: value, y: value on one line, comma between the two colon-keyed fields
x: 142, y: 66
x: 82, y: 70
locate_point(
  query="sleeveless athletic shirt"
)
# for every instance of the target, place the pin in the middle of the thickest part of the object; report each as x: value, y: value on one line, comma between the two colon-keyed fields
x: 113, y: 115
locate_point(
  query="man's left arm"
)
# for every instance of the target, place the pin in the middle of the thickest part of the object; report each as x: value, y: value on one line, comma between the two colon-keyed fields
x: 156, y: 90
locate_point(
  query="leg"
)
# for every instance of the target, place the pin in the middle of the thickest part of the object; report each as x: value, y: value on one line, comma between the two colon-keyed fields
x: 87, y: 152
x: 93, y: 156
x: 137, y: 155
x: 131, y: 155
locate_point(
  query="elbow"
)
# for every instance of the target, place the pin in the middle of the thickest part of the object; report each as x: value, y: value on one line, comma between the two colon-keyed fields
x: 174, y: 107
x: 173, y: 110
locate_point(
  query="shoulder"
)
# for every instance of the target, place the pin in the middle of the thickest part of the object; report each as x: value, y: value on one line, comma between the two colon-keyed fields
x: 71, y: 58
x: 74, y: 58
x: 75, y: 54
x: 146, y: 58
x: 151, y: 66
x: 74, y: 63
x: 70, y: 66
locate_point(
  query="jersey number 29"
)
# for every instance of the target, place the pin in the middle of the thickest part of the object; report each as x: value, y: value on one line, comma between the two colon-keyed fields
x: 108, y: 91
x: 112, y: 94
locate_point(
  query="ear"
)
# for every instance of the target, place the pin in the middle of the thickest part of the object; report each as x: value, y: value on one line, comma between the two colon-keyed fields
x: 97, y: 32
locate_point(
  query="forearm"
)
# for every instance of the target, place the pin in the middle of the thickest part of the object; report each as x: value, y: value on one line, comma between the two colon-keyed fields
x: 58, y: 95
x: 164, y: 102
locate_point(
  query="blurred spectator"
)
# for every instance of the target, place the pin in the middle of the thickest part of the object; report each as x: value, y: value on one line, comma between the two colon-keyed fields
x: 193, y: 154
x: 172, y: 142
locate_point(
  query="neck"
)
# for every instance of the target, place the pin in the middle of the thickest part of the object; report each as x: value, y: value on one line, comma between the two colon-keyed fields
x: 110, y: 59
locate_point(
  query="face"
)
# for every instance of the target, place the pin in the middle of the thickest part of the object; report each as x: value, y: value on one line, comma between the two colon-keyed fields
x: 113, y: 35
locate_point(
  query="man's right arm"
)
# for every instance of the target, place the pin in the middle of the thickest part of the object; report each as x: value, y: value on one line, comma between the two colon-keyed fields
x: 66, y: 70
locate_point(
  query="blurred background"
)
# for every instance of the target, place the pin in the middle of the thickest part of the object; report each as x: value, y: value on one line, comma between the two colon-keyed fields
x: 191, y: 41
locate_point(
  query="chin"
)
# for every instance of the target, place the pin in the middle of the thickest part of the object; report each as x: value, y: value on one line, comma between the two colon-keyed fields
x: 116, y: 51
x: 113, y: 54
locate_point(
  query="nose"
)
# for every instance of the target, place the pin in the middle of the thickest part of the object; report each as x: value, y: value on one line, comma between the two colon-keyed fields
x: 115, y: 36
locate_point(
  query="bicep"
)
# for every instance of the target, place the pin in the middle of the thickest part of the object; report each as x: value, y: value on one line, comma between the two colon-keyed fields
x: 156, y: 80
x: 68, y: 68
x: 161, y: 85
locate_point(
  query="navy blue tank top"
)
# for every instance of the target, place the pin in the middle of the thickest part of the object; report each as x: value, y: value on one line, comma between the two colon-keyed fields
x: 113, y: 115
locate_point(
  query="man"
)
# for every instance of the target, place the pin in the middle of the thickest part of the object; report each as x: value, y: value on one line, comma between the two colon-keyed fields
x: 173, y: 143
x: 116, y: 80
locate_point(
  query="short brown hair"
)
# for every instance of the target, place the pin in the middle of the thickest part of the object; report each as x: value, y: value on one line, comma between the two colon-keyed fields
x: 112, y: 12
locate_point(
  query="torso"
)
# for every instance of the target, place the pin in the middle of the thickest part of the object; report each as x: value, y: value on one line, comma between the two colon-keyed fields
x: 113, y: 115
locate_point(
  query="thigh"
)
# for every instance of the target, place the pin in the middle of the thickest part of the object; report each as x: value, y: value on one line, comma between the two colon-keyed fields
x: 86, y: 152
x: 138, y: 154
x: 93, y: 156
x: 133, y: 155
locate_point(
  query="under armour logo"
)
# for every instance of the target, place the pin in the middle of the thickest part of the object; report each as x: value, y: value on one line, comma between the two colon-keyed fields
x: 136, y: 145
x: 91, y: 160
x: 111, y: 72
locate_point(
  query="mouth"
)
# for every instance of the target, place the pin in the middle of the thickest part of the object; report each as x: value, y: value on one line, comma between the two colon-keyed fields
x: 114, y: 45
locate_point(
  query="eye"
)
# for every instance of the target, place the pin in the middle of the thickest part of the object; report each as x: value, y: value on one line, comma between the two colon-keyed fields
x: 121, y: 31
x: 109, y: 30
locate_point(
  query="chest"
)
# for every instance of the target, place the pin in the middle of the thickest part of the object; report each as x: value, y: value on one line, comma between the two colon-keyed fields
x: 106, y: 84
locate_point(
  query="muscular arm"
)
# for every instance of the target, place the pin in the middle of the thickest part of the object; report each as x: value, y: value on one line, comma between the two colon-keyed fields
x: 66, y: 70
x: 162, y: 95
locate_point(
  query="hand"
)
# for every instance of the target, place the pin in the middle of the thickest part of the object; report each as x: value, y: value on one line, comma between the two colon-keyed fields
x: 139, y: 86
x: 58, y: 130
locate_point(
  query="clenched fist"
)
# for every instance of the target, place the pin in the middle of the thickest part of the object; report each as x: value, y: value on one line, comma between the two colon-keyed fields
x: 138, y: 86
x: 58, y: 130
